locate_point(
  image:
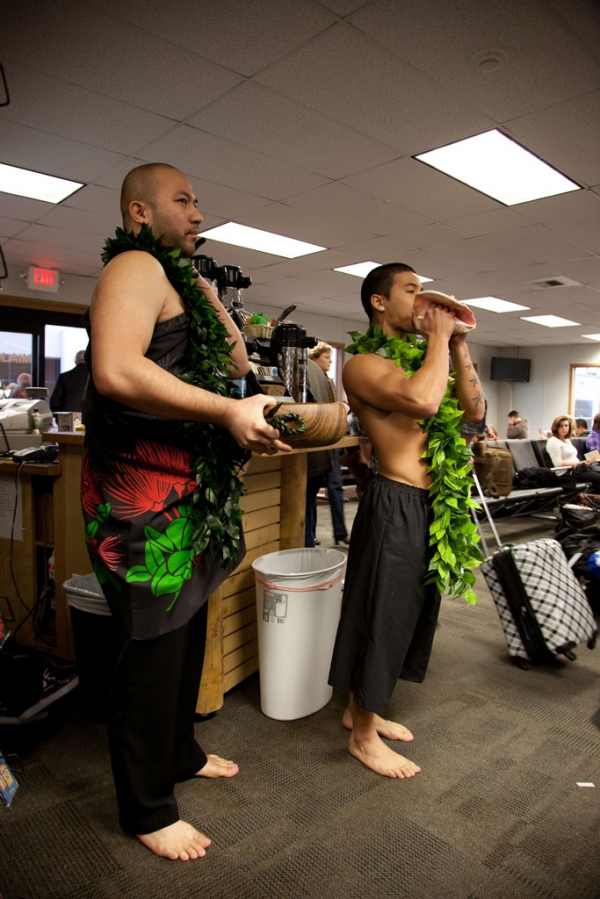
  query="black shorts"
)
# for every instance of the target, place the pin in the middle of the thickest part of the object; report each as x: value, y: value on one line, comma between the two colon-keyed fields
x: 388, y: 616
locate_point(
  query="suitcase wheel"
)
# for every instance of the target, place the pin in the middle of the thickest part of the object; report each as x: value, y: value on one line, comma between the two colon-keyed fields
x: 522, y: 663
x: 570, y: 655
x: 592, y: 643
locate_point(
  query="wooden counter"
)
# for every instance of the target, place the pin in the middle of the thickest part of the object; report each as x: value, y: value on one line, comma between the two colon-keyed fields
x: 274, y: 510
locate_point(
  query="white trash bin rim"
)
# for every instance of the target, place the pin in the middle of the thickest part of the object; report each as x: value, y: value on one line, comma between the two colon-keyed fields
x: 300, y: 570
x: 85, y: 593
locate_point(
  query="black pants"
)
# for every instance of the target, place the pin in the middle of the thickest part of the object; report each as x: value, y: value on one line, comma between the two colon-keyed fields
x: 151, y: 710
x: 335, y: 495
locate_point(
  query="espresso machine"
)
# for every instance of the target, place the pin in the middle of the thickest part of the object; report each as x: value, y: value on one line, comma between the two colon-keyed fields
x: 279, y: 362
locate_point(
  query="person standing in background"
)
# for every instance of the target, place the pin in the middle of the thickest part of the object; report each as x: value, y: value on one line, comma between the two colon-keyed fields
x: 20, y: 390
x: 321, y: 354
x: 69, y: 389
x: 319, y: 463
x: 518, y: 428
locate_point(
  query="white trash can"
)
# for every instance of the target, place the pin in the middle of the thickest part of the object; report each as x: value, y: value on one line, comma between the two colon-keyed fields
x: 298, y: 603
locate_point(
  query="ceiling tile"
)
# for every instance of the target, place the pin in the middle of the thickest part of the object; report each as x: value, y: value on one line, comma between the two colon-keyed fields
x: 72, y: 42
x: 365, y: 84
x: 566, y: 135
x: 343, y: 203
x: 264, y: 120
x: 214, y: 159
x: 418, y: 187
x: 79, y: 114
x: 33, y: 149
x: 537, y: 243
x: 584, y: 231
x: 244, y: 36
x: 449, y: 36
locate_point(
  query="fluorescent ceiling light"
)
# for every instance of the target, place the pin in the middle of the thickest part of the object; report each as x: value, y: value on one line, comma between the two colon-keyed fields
x: 493, y: 304
x: 549, y: 321
x: 265, y: 241
x: 591, y: 336
x: 362, y: 269
x: 34, y: 185
x: 497, y: 166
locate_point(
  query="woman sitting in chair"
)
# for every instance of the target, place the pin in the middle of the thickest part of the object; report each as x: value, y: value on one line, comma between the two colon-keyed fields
x: 564, y: 454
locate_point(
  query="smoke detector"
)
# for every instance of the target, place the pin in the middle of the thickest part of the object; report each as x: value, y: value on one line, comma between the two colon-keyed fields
x: 488, y: 61
x: 558, y: 281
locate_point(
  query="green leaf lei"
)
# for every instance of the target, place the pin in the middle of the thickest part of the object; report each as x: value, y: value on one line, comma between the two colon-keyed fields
x: 216, y: 512
x: 452, y: 532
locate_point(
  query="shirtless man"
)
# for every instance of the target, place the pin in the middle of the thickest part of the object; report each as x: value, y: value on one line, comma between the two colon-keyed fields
x: 388, y: 617
x: 137, y: 481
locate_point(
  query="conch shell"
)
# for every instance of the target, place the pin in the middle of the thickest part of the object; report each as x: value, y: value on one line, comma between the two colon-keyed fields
x: 465, y: 320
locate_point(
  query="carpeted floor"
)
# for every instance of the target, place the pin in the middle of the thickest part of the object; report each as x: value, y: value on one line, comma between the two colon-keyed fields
x: 495, y: 813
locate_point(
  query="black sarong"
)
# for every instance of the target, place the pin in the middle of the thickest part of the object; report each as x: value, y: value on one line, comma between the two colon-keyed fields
x: 388, y: 617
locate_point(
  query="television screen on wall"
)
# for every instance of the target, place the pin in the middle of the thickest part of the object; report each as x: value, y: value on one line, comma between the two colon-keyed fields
x: 505, y: 369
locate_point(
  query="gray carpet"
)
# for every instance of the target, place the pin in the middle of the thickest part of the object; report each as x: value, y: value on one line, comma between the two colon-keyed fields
x: 495, y: 813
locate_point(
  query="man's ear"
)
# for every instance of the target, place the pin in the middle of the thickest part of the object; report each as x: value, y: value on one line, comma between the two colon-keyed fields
x: 138, y: 212
x: 377, y: 302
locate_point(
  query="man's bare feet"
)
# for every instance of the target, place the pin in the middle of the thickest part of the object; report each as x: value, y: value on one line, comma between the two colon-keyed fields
x: 374, y: 753
x: 177, y: 841
x: 218, y: 767
x: 391, y: 730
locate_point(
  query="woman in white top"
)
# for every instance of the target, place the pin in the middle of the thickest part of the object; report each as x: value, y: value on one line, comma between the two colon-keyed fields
x: 559, y: 446
x: 564, y: 454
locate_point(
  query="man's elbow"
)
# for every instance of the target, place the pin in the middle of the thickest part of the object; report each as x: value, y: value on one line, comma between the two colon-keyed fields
x: 241, y: 370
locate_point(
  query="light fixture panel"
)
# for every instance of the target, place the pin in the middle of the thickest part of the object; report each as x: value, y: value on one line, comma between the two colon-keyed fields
x: 36, y: 185
x: 263, y: 241
x: 362, y: 269
x: 494, y: 304
x: 499, y: 167
x: 550, y: 321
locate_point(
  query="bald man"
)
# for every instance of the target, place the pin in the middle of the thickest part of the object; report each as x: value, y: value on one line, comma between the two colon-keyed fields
x: 137, y: 490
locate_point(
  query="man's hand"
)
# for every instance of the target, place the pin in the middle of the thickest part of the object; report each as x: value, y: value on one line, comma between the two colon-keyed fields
x: 434, y: 320
x: 245, y: 420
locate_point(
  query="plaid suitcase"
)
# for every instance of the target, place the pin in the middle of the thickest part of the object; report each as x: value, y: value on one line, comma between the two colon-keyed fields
x: 542, y: 607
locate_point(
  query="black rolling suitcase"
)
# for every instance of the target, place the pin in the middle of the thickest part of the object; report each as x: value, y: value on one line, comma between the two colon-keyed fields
x: 542, y: 607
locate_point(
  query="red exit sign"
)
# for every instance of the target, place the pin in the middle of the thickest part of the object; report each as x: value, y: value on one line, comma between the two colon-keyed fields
x: 42, y: 279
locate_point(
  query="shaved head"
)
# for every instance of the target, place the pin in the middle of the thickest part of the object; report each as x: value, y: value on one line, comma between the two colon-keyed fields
x: 141, y: 184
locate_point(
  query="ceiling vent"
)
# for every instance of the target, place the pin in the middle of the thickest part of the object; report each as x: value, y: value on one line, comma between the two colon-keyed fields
x: 546, y: 283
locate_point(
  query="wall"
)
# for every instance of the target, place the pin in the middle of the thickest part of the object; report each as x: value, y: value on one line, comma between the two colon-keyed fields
x: 547, y: 394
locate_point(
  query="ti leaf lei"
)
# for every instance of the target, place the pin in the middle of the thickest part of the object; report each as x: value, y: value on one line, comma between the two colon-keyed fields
x: 452, y: 532
x: 215, y: 508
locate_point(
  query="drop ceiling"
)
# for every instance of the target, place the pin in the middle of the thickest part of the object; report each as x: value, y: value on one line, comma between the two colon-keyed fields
x: 302, y: 117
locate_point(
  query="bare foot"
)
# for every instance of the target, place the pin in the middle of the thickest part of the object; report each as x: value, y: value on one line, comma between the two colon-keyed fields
x: 177, y: 841
x: 388, y: 729
x: 217, y: 767
x: 374, y: 753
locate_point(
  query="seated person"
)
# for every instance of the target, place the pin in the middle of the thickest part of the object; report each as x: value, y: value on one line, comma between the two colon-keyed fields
x: 593, y: 441
x: 564, y: 454
x: 518, y: 428
x: 581, y: 428
x: 491, y: 433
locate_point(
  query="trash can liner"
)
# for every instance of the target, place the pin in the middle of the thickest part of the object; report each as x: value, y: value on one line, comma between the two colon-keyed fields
x: 298, y: 604
x: 303, y: 589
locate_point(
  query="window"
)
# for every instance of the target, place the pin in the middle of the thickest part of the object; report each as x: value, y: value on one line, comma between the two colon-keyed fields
x: 584, y: 398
